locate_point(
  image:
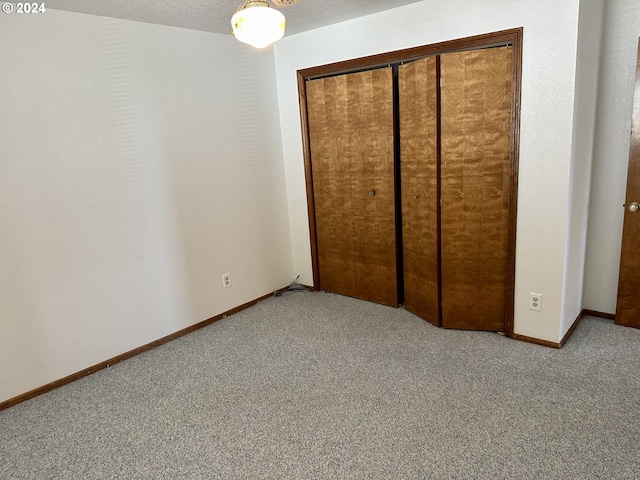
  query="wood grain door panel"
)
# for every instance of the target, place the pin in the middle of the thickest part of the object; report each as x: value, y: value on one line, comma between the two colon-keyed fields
x: 326, y: 109
x: 417, y: 82
x: 628, y: 304
x: 476, y: 134
x: 351, y: 142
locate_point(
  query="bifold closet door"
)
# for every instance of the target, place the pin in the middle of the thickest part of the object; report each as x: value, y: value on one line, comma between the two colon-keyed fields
x: 475, y: 183
x: 417, y: 83
x: 350, y: 124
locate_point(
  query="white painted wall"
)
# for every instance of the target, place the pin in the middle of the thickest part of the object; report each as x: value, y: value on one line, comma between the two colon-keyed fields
x: 584, y: 117
x: 138, y: 163
x: 611, y: 153
x: 548, y: 88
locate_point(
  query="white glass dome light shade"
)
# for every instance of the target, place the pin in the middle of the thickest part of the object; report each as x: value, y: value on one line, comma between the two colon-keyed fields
x: 257, y: 24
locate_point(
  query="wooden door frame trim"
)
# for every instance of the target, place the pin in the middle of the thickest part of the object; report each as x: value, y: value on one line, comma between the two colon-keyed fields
x: 511, y: 37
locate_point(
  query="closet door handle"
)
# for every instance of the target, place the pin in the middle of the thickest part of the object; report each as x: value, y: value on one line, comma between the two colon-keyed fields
x: 372, y: 193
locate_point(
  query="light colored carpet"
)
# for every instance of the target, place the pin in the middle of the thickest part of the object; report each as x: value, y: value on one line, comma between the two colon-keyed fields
x: 316, y: 385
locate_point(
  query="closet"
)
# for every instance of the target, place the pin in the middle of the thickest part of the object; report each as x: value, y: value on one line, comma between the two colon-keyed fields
x: 412, y: 178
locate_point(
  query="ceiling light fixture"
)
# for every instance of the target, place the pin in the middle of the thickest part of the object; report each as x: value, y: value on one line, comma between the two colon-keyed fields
x: 257, y: 24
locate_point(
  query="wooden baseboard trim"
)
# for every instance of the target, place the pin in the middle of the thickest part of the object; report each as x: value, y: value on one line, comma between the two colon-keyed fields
x: 537, y: 341
x: 576, y: 322
x: 594, y: 313
x: 120, y: 358
x: 547, y: 343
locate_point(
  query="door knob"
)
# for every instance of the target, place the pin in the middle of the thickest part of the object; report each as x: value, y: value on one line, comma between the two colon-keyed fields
x: 634, y: 207
x: 372, y: 193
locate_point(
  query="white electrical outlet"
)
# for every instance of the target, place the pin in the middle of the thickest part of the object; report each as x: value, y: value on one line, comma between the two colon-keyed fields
x: 535, y: 301
x: 226, y: 280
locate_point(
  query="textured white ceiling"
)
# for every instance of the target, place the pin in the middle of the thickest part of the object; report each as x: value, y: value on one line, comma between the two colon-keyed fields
x: 215, y: 15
